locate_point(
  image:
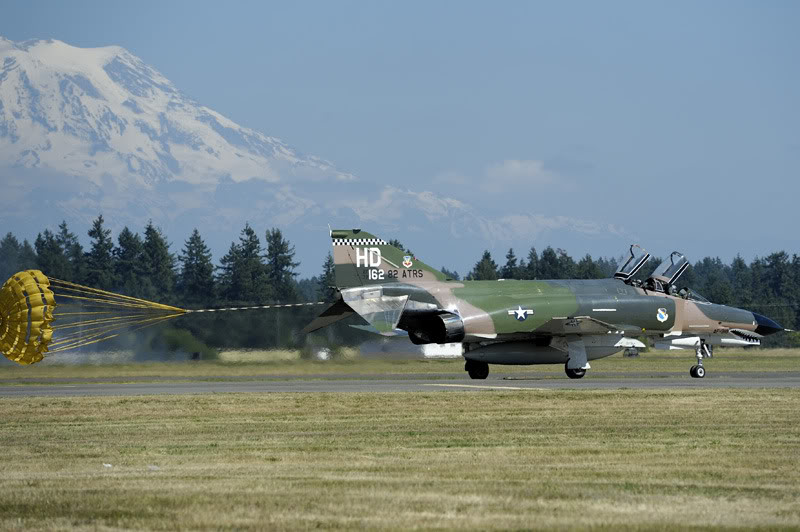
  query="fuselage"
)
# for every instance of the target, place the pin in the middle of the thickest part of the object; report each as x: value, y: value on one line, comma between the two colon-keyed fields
x: 510, y: 321
x: 509, y: 309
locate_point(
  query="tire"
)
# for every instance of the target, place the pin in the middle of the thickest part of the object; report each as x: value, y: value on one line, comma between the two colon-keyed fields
x: 477, y: 370
x: 692, y: 372
x: 574, y: 373
x: 700, y: 372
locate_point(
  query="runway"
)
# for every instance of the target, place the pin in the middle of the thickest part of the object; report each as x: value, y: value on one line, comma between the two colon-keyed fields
x: 390, y: 383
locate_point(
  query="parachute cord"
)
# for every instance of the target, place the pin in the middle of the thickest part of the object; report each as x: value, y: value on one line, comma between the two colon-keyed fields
x: 101, y: 321
x: 99, y: 329
x: 106, y: 302
x: 100, y: 297
x: 86, y: 313
x: 93, y: 339
x: 150, y: 304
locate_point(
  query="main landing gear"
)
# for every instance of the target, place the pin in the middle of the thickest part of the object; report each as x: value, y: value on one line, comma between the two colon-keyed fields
x: 703, y: 351
x: 476, y: 369
x: 576, y: 373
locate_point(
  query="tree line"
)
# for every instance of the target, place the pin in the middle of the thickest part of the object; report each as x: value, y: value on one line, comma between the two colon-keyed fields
x: 143, y: 266
x: 252, y: 273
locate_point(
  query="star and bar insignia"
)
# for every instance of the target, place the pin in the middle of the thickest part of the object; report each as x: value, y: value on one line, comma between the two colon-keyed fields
x: 520, y: 313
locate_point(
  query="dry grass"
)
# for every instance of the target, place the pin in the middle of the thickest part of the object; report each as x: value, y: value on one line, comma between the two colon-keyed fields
x: 281, y: 365
x: 635, y: 459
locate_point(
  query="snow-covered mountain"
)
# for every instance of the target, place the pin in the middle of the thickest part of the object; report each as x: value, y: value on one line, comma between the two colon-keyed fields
x: 88, y: 131
x: 85, y: 131
x: 96, y: 112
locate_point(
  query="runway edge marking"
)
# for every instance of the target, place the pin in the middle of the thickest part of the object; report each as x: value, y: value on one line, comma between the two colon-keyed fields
x: 483, y: 387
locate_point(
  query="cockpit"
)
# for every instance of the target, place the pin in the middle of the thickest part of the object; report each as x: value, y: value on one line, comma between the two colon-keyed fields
x: 664, y: 277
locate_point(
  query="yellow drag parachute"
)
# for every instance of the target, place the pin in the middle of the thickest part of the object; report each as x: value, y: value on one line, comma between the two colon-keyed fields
x: 26, y: 314
x: 40, y: 315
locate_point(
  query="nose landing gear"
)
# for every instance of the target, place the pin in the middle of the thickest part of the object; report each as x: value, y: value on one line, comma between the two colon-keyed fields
x: 697, y: 371
x: 703, y: 351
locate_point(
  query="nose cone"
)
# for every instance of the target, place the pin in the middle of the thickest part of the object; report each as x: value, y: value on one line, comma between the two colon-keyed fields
x: 765, y: 325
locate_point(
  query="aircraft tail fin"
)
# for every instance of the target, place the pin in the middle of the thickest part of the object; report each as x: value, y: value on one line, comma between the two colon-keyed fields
x: 362, y: 259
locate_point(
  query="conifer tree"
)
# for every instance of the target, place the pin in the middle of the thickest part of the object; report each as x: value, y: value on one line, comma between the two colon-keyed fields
x: 10, y: 250
x: 196, y: 279
x: 548, y: 264
x: 309, y: 290
x: 566, y: 265
x: 227, y: 271
x: 741, y: 282
x: 252, y: 283
x: 327, y: 281
x: 73, y: 251
x: 129, y: 265
x: 511, y: 268
x: 485, y: 269
x: 531, y: 270
x: 243, y: 277
x: 606, y: 267
x: 50, y: 256
x: 588, y: 269
x: 280, y: 266
x: 159, y: 263
x: 27, y: 257
x: 99, y: 261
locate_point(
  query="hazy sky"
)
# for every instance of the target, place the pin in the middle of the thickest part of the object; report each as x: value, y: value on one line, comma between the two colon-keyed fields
x: 676, y: 122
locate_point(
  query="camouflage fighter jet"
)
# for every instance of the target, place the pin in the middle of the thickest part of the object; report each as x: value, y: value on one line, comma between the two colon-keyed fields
x: 566, y: 322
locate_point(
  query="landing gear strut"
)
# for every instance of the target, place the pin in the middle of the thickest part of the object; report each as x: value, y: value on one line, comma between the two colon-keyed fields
x: 476, y: 369
x: 703, y: 351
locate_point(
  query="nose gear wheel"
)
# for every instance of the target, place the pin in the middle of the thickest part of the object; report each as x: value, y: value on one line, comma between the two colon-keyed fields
x: 703, y: 351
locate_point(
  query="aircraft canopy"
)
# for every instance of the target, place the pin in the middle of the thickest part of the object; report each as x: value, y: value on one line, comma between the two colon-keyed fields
x: 638, y: 257
x: 670, y: 269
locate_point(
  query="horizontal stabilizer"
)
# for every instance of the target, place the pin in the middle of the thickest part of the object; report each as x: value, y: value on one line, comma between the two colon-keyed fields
x: 374, y: 330
x: 338, y: 311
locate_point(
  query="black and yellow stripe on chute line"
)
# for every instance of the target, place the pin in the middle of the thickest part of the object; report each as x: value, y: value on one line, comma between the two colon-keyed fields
x: 257, y: 307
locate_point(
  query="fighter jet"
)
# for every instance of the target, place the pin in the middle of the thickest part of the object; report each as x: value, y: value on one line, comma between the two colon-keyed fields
x: 568, y: 322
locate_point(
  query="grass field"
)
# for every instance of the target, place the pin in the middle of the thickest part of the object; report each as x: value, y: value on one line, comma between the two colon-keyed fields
x: 653, y: 362
x: 635, y: 459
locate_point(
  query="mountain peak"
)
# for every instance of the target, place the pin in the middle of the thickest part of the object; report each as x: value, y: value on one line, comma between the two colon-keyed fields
x: 102, y: 113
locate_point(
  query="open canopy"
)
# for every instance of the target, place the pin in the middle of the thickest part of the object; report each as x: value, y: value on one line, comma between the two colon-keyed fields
x: 671, y: 268
x: 638, y: 257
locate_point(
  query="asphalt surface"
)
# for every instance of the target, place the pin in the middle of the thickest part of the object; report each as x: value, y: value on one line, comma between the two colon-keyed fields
x: 389, y: 383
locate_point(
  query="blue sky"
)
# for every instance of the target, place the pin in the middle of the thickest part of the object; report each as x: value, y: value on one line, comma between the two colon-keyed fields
x: 676, y: 123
